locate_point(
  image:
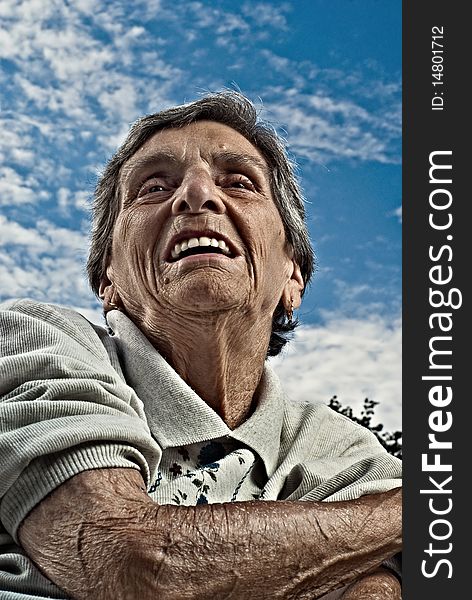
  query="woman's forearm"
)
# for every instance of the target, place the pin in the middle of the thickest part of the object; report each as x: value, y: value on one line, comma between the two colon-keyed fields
x: 379, y: 585
x: 99, y: 535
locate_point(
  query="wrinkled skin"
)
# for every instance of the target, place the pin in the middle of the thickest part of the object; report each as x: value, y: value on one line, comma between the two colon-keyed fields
x: 107, y: 540
x: 210, y: 317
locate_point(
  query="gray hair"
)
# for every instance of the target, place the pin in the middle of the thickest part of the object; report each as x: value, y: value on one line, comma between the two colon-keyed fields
x: 235, y: 110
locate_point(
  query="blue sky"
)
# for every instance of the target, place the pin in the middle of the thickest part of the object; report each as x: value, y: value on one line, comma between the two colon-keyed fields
x: 74, y: 75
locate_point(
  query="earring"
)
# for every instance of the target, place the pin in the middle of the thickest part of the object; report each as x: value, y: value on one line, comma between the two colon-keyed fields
x: 290, y: 312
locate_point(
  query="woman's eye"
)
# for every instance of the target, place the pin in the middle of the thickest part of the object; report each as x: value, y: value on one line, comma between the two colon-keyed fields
x: 152, y: 188
x: 155, y: 188
x: 241, y: 184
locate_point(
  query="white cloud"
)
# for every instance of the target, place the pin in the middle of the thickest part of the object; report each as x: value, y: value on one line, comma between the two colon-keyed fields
x: 18, y: 189
x: 323, y: 128
x: 267, y: 14
x: 13, y: 234
x: 231, y: 24
x: 398, y: 212
x: 16, y: 142
x: 351, y: 358
x: 360, y: 300
x: 15, y: 280
x: 67, y: 199
x: 253, y: 22
x: 62, y: 237
x: 84, y: 71
x: 47, y: 279
x: 120, y: 100
x: 63, y: 66
x: 330, y: 114
x: 45, y: 262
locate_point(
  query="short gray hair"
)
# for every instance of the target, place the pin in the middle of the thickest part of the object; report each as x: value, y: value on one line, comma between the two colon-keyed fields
x: 235, y: 110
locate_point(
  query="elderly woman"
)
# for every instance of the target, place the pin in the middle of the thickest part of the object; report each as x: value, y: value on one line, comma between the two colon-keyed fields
x: 160, y: 458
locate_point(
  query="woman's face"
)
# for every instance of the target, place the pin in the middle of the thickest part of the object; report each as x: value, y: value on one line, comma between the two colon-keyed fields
x: 198, y: 229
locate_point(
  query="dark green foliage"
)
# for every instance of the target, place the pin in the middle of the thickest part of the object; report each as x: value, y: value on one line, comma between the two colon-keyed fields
x: 391, y: 441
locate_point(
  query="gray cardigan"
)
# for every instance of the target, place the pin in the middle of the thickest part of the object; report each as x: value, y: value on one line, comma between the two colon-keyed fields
x: 73, y: 397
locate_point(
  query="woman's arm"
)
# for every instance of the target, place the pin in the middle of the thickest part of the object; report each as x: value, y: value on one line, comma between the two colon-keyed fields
x: 100, y: 535
x: 379, y: 585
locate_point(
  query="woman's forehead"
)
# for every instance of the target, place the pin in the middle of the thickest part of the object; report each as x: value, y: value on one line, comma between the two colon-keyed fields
x: 204, y: 138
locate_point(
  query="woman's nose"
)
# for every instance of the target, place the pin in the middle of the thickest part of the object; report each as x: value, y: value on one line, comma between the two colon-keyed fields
x: 198, y: 193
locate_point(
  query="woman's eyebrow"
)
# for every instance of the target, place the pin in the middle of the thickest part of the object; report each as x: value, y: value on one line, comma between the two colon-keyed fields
x: 136, y: 165
x: 236, y: 159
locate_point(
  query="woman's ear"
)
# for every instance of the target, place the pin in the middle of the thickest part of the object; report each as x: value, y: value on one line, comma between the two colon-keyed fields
x: 104, y: 284
x: 292, y: 292
x: 110, y: 297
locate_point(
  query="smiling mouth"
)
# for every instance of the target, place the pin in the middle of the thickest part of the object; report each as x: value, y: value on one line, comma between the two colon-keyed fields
x: 202, y: 245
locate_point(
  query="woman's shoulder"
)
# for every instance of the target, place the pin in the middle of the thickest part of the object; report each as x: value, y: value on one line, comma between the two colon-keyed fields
x: 56, y: 314
x: 333, y: 431
x: 40, y: 310
x: 32, y: 323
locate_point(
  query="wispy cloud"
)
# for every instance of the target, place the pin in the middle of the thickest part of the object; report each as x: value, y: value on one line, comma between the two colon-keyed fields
x: 359, y: 300
x: 64, y: 69
x: 323, y: 128
x: 268, y: 14
x: 16, y: 189
x: 77, y: 74
x: 232, y: 29
x: 398, y: 212
x: 330, y: 114
x: 43, y: 262
x: 352, y: 358
x: 13, y: 234
x: 66, y: 199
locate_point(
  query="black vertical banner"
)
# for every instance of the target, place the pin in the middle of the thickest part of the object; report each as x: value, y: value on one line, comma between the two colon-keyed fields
x: 437, y: 258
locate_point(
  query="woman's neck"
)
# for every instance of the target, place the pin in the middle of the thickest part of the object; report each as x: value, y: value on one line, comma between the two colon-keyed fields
x: 220, y: 356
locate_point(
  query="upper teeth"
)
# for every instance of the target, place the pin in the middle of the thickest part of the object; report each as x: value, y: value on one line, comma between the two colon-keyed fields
x: 194, y: 242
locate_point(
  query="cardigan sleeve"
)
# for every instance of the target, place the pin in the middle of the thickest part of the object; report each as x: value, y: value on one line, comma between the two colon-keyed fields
x: 64, y: 406
x: 327, y: 457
